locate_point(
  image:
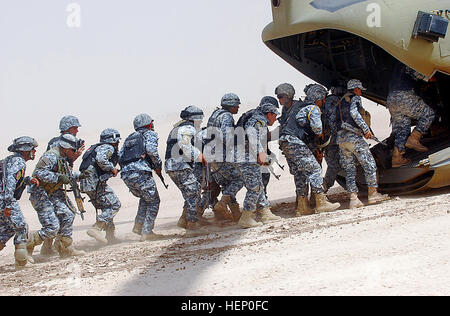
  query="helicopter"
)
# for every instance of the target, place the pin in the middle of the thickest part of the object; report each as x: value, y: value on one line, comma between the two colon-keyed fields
x: 338, y: 40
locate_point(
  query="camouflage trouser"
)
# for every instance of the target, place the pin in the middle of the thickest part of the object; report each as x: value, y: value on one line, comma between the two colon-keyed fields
x: 14, y: 225
x: 186, y: 181
x: 255, y: 197
x: 228, y: 177
x: 353, y: 148
x: 304, y: 166
x: 404, y: 106
x: 54, y: 213
x: 143, y: 186
x: 105, y: 200
x: 332, y: 159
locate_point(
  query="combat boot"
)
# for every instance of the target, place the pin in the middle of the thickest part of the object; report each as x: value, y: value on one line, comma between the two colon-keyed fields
x: 267, y: 216
x: 47, y: 248
x: 2, y: 245
x: 150, y: 237
x: 221, y: 210
x: 182, y: 220
x: 398, y: 160
x: 323, y: 205
x: 375, y: 197
x: 235, y: 211
x: 66, y: 248
x: 354, y: 201
x: 96, y: 232
x: 21, y: 256
x: 413, y: 142
x: 34, y: 240
x: 137, y: 228
x: 303, y: 207
x: 111, y: 236
x: 194, y: 229
x: 247, y: 220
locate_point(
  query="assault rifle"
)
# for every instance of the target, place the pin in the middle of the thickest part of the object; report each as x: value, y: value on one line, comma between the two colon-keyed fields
x: 75, y: 188
x: 162, y: 180
x: 352, y: 129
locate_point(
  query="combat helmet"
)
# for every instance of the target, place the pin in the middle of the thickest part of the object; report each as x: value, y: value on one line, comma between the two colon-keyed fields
x: 23, y: 143
x: 230, y: 100
x: 316, y: 92
x: 110, y: 136
x: 142, y: 120
x: 192, y: 113
x: 285, y: 89
x: 67, y: 122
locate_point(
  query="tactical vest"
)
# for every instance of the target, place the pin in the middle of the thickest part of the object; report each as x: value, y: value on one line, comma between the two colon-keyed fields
x: 50, y: 188
x: 20, y: 177
x: 290, y: 126
x: 343, y: 111
x: 172, y: 141
x: 89, y: 159
x: 212, y: 122
x: 133, y: 149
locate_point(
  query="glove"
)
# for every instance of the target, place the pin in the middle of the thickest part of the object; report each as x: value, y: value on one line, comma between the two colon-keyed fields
x: 64, y: 179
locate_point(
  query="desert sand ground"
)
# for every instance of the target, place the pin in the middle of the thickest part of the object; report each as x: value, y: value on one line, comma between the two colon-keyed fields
x: 401, y: 247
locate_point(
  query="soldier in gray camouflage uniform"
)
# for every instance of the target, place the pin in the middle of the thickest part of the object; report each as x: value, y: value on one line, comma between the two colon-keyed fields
x: 55, y: 211
x: 329, y: 119
x: 249, y: 159
x: 181, y: 154
x: 138, y: 158
x: 99, y: 164
x: 12, y: 221
x: 302, y: 123
x: 404, y: 105
x: 285, y: 93
x: 68, y: 124
x: 220, y: 152
x: 354, y: 148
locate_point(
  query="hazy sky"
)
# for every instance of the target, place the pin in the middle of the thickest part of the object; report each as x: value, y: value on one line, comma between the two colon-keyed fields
x: 130, y: 57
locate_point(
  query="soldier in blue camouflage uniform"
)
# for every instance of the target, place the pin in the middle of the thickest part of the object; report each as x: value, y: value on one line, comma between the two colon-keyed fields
x: 68, y: 124
x: 220, y: 152
x: 404, y: 105
x: 181, y: 154
x: 99, y: 164
x: 249, y: 159
x: 138, y: 158
x: 303, y: 122
x: 331, y: 151
x: 55, y: 211
x: 285, y: 93
x: 12, y: 222
x: 354, y: 148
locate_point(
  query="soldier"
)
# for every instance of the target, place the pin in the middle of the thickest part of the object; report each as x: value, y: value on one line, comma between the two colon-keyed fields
x: 55, y: 211
x: 285, y: 93
x: 329, y: 120
x: 99, y: 164
x: 138, y: 157
x: 353, y: 147
x: 67, y: 125
x: 249, y: 161
x: 181, y: 155
x: 404, y: 105
x: 303, y: 121
x: 224, y: 172
x: 12, y: 171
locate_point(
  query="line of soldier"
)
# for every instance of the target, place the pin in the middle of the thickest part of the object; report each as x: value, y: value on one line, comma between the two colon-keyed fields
x: 194, y: 165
